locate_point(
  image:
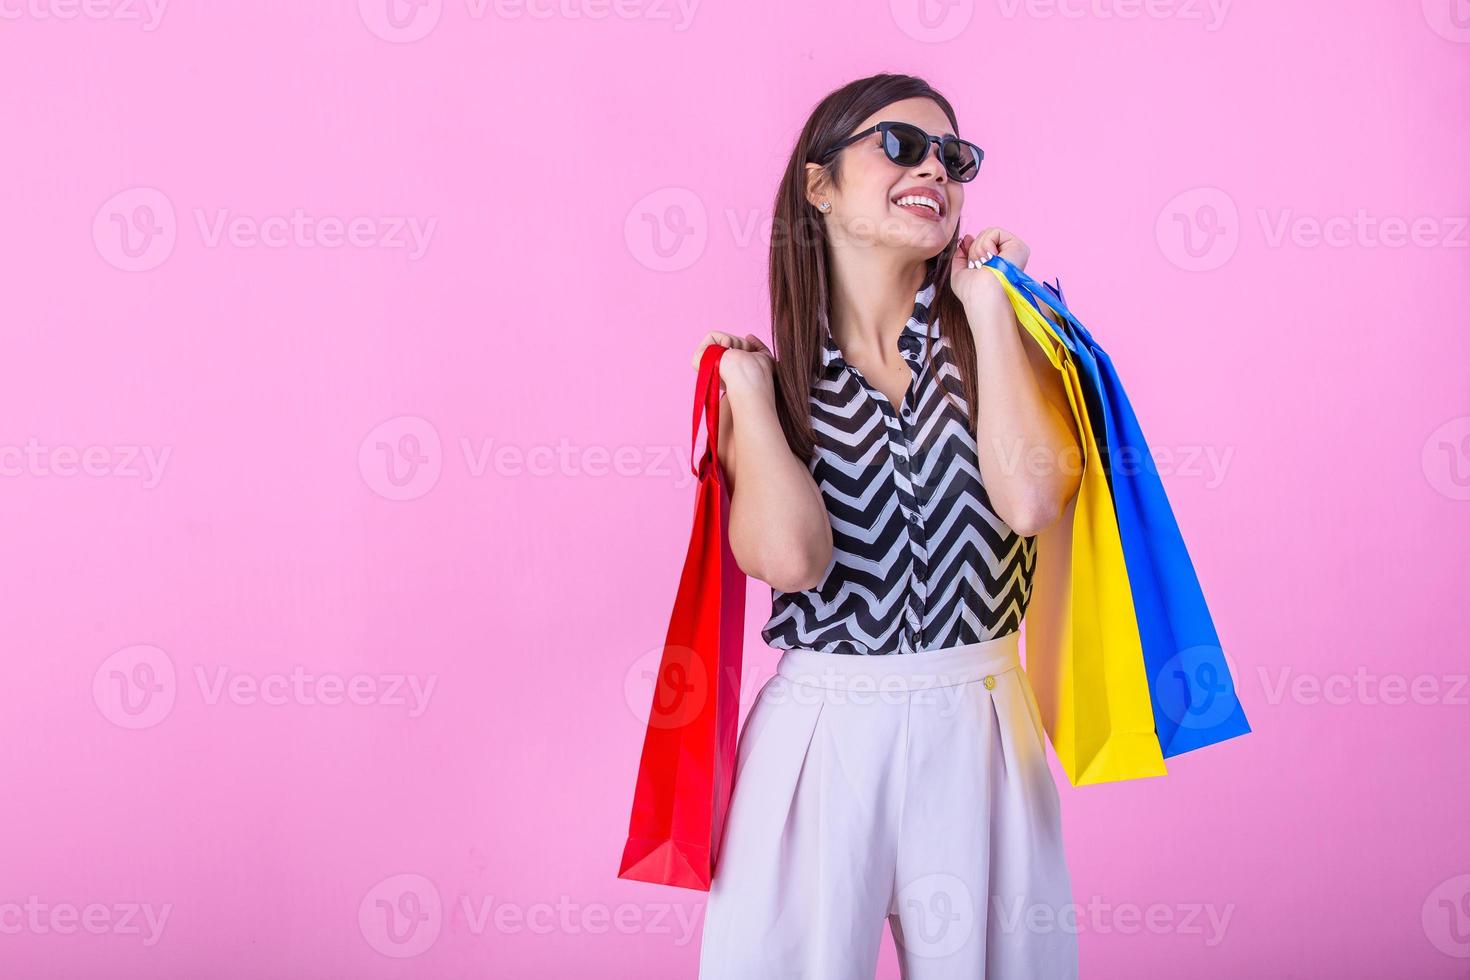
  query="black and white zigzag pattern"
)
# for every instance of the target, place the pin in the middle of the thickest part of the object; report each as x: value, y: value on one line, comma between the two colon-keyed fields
x: 920, y: 560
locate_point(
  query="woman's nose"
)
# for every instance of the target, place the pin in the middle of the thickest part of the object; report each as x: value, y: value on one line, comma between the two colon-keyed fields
x: 931, y: 164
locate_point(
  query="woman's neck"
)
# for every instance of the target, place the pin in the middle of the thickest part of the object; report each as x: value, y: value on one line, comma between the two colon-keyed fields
x: 871, y: 304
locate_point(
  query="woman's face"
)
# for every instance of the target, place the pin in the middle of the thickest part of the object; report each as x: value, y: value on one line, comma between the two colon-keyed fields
x: 866, y: 209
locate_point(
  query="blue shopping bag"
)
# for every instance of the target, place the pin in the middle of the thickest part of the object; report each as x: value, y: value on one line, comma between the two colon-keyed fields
x: 1193, y: 693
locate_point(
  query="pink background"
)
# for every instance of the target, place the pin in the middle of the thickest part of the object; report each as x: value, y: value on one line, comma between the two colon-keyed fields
x: 463, y: 462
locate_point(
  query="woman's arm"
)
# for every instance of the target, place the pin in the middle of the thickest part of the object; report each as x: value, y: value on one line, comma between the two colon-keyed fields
x: 1027, y: 440
x: 779, y: 530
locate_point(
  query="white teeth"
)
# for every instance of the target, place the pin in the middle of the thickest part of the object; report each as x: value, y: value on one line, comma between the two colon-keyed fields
x: 927, y: 202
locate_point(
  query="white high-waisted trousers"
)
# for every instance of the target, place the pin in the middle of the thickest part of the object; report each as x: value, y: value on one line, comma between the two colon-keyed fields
x: 908, y: 787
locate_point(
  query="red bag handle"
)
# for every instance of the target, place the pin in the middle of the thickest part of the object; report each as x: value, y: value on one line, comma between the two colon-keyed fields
x: 707, y: 403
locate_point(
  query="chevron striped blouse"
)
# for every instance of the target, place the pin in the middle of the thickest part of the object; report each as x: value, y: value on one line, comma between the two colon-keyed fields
x: 920, y: 560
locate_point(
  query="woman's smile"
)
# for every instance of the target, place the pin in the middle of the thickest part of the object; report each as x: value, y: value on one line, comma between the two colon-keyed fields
x: 925, y: 202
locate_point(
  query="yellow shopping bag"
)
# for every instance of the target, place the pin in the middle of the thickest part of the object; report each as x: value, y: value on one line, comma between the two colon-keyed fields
x: 1084, y: 657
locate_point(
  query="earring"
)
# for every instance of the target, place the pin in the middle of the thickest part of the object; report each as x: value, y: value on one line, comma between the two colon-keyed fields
x: 825, y: 206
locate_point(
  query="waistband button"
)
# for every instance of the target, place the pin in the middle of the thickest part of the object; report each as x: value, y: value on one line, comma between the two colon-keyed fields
x: 989, y: 682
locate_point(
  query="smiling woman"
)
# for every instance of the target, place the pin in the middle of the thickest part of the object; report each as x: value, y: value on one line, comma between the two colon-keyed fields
x: 873, y: 487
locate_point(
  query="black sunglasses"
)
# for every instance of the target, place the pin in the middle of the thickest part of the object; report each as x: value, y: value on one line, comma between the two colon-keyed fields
x: 907, y: 145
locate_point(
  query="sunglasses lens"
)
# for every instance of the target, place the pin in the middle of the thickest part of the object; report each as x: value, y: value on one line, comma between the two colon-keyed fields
x: 905, y: 145
x: 961, y: 159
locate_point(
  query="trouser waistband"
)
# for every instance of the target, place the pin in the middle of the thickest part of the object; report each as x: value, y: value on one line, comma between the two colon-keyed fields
x: 943, y: 667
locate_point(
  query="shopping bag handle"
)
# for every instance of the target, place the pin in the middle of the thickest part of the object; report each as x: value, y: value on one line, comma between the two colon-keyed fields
x: 1040, y: 292
x: 707, y: 403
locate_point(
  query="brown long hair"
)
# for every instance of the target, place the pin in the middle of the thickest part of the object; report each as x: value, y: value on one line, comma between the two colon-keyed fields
x: 798, y: 270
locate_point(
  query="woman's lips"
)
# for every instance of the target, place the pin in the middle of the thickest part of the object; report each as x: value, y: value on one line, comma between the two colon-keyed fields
x: 920, y: 210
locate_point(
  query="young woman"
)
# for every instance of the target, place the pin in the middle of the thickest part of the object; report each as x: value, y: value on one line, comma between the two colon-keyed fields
x: 884, y: 481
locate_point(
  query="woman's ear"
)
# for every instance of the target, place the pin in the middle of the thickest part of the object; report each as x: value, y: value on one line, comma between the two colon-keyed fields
x: 816, y: 184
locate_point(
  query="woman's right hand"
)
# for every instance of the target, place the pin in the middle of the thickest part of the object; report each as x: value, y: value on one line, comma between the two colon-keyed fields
x: 779, y: 531
x: 748, y: 359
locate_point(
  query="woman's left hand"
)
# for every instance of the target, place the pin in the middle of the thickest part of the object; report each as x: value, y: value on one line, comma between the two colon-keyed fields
x: 998, y: 241
x: 972, y: 285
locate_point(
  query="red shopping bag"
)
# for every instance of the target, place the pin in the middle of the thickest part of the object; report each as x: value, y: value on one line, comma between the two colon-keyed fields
x: 688, y: 767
